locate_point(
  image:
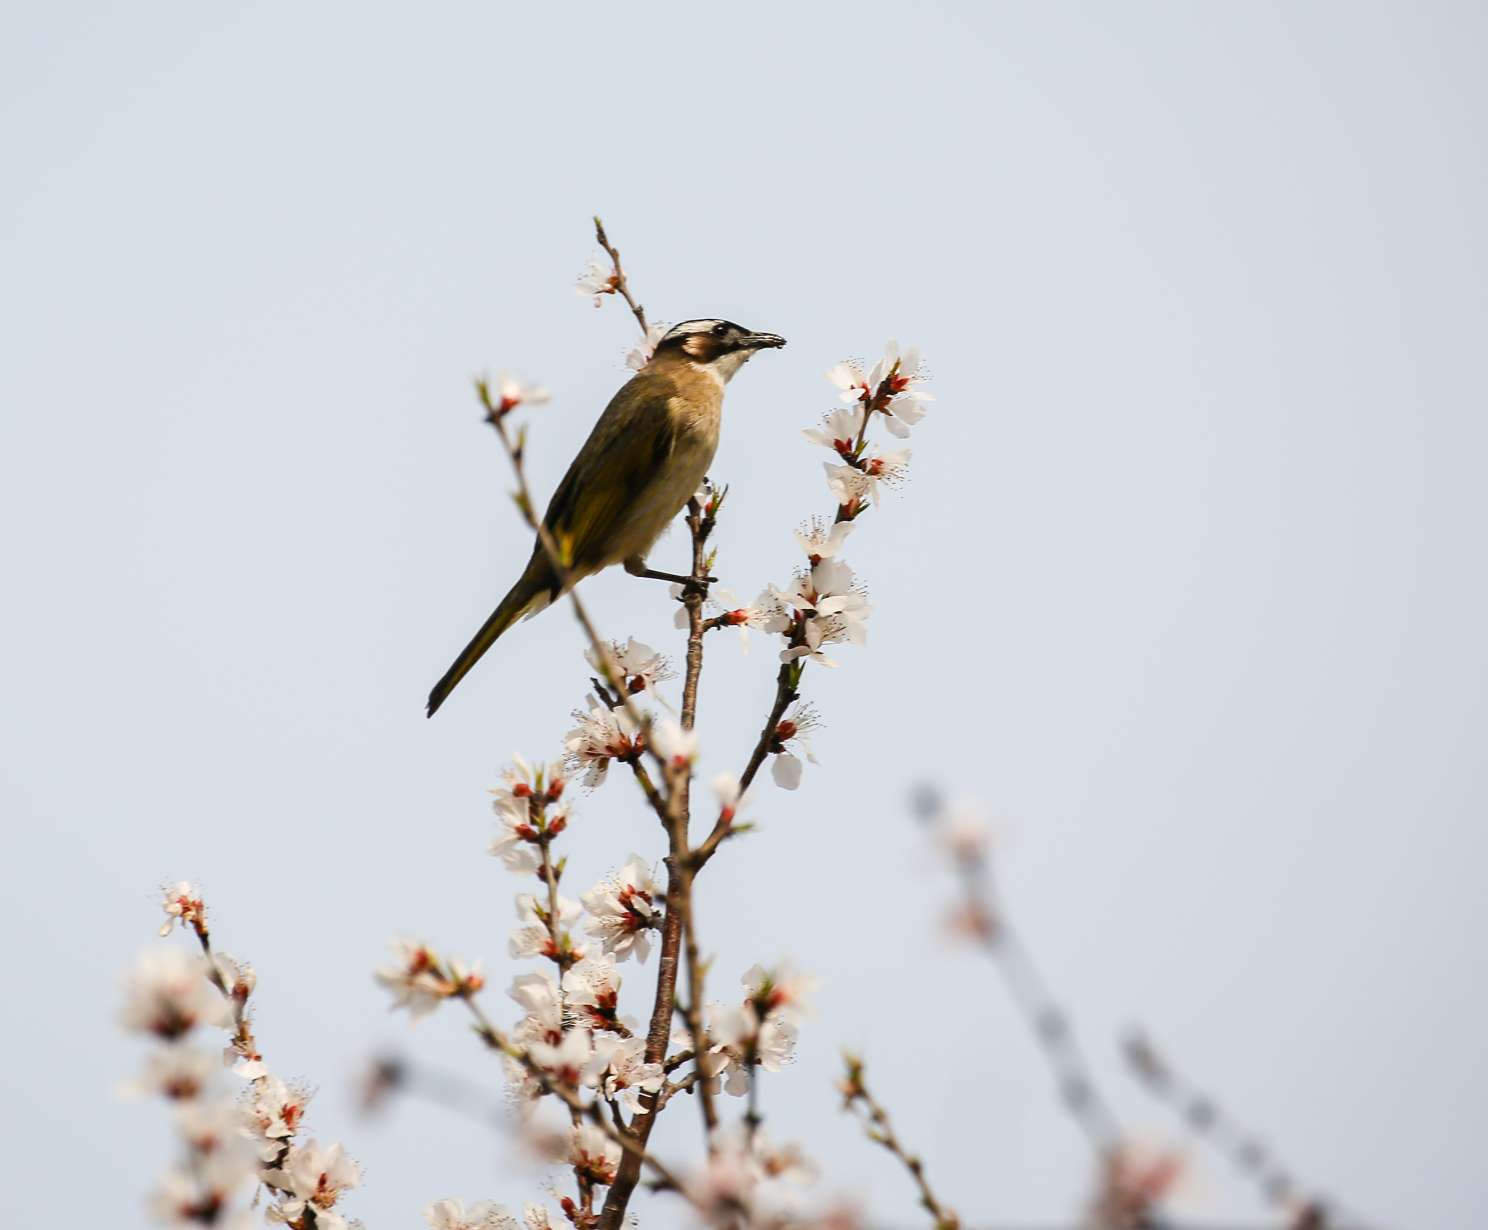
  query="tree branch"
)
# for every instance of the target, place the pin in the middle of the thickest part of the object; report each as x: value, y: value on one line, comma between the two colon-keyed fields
x: 876, y: 1125
x: 622, y: 287
x: 632, y: 1144
x: 1208, y: 1120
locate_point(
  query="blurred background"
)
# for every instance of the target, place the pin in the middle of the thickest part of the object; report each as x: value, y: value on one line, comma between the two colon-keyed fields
x: 1187, y: 587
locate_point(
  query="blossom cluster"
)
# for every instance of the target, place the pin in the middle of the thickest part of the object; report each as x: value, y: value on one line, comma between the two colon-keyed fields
x: 760, y: 1031
x: 230, y: 1144
x: 892, y: 389
x: 570, y: 1034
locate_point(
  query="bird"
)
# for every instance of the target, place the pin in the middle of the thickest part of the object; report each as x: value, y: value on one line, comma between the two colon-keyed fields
x: 644, y: 459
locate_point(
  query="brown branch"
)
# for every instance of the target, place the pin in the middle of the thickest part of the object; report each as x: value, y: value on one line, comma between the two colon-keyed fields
x: 675, y: 925
x: 244, y: 1043
x: 693, y: 596
x: 628, y: 1173
x: 672, y: 1088
x: 631, y: 1143
x: 876, y: 1125
x: 622, y: 287
x: 701, y: 527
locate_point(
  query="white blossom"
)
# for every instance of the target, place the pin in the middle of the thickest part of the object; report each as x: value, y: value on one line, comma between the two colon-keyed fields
x: 272, y: 1113
x: 676, y: 746
x: 182, y: 904
x: 622, y: 909
x: 420, y: 980
x: 515, y: 843
x: 851, y: 382
x: 592, y: 991
x: 894, y: 386
x: 566, y: 1060
x: 602, y: 735
x: 863, y: 478
x: 847, y: 483
x: 535, y: 1217
x: 177, y: 1071
x: 965, y: 833
x: 744, y: 1176
x: 510, y: 392
x: 781, y: 989
x: 313, y: 1177
x: 785, y: 1161
x: 619, y: 1070
x: 522, y: 782
x: 834, y: 606
x: 822, y: 539
x: 899, y: 375
x: 531, y: 936
x: 640, y: 354
x: 237, y: 976
x: 537, y: 995
x: 210, y: 1125
x: 191, y: 1199
x: 482, y: 1215
x: 594, y: 1154
x: 731, y: 799
x: 739, y: 1035
x: 887, y: 468
x: 792, y: 735
x: 765, y: 614
x: 167, y: 994
x: 597, y: 281
x: 641, y: 668
x: 839, y: 430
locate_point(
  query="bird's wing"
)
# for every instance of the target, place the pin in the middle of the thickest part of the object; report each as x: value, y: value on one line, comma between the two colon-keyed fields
x: 623, y: 455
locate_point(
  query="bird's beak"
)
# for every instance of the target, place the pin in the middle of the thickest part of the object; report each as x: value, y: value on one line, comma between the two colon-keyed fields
x: 761, y: 341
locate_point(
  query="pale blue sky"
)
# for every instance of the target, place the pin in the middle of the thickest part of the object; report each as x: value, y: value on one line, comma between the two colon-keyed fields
x: 1188, y: 584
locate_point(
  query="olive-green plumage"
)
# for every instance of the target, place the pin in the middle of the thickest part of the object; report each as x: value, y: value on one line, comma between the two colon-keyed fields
x: 646, y: 455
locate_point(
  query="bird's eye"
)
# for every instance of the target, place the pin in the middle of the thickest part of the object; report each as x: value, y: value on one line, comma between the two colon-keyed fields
x: 720, y: 329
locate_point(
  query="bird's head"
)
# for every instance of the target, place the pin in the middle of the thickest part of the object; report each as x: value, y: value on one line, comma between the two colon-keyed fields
x: 720, y: 346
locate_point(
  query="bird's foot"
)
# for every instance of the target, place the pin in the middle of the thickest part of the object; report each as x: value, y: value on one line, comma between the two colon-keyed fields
x: 676, y: 578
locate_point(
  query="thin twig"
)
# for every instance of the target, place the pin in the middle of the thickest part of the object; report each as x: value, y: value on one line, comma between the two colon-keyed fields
x: 876, y: 1125
x: 672, y: 1088
x: 244, y: 1043
x: 752, y: 1116
x: 622, y: 287
x: 786, y: 682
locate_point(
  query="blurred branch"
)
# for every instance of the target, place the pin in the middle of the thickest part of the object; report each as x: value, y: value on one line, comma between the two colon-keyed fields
x: 1211, y: 1122
x: 983, y: 919
x: 392, y: 1075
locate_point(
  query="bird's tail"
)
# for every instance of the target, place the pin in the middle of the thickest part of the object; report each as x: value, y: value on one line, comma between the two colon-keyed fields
x: 530, y: 592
